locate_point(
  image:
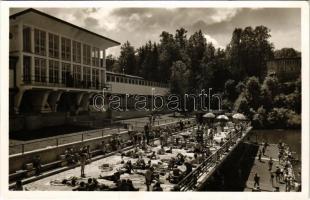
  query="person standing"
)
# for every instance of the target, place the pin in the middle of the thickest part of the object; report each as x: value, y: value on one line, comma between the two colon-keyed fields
x: 149, y: 178
x: 83, y: 163
x: 18, y: 186
x: 146, y: 133
x: 256, y: 180
x: 278, y: 174
x: 271, y: 179
x: 270, y: 163
x: 260, y: 156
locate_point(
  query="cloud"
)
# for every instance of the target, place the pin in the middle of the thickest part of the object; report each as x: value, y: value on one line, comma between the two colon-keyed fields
x: 90, y: 21
x: 138, y: 25
x: 213, y: 41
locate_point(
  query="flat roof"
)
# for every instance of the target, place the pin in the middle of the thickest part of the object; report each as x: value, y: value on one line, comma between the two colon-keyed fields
x: 126, y: 75
x: 61, y: 21
x: 292, y: 58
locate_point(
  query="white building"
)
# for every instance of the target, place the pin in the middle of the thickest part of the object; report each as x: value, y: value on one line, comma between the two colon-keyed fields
x: 57, y: 67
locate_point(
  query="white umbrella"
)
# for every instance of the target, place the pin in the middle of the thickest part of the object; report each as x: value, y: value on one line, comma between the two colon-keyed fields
x: 209, y: 115
x: 222, y: 118
x: 239, y: 116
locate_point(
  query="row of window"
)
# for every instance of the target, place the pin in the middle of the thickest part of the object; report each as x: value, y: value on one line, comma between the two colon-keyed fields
x: 54, y: 67
x: 57, y: 44
x: 122, y: 79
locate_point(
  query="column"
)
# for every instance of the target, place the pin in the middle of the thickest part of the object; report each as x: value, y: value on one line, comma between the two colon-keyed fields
x: 60, y: 51
x: 32, y: 57
x: 39, y: 101
x: 52, y: 100
x: 46, y: 53
x: 20, y: 65
x: 17, y: 100
x: 32, y: 74
x: 78, y: 100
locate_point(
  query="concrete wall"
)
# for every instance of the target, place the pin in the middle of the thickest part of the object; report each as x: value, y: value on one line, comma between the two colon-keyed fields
x: 32, y: 122
x: 17, y: 162
x: 125, y: 88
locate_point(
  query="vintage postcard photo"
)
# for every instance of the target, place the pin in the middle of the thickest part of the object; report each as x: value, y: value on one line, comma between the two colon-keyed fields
x: 148, y: 99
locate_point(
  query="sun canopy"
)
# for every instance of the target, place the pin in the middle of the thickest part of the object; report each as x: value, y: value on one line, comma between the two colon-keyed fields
x: 239, y: 116
x: 209, y: 115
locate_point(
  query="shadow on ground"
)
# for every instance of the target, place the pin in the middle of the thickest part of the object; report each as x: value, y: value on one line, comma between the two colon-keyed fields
x: 233, y: 174
x: 46, y: 132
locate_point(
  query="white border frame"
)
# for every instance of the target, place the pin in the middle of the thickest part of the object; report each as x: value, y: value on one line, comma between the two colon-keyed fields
x: 4, y: 83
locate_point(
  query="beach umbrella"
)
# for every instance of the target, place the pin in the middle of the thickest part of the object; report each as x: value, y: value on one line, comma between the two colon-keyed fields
x: 222, y: 118
x: 209, y: 116
x: 239, y: 116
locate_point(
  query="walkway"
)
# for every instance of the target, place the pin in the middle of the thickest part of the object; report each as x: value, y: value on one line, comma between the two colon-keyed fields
x: 261, y: 168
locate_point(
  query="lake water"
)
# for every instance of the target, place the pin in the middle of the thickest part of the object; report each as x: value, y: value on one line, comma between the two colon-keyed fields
x: 290, y: 137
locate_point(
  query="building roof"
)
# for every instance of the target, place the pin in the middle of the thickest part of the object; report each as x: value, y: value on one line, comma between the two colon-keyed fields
x: 292, y: 58
x: 125, y: 75
x: 61, y: 21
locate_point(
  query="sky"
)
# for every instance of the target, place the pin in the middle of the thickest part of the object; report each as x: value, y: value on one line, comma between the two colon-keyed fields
x: 139, y: 25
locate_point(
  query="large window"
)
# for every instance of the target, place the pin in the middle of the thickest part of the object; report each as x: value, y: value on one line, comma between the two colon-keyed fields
x: 53, y: 68
x: 86, y: 54
x: 76, y: 52
x: 65, y: 73
x: 95, y: 57
x: 86, y: 77
x: 102, y: 76
x: 65, y: 49
x: 39, y: 70
x: 53, y: 45
x: 27, y: 39
x: 95, y: 78
x: 40, y: 42
x: 26, y: 69
x: 77, y: 75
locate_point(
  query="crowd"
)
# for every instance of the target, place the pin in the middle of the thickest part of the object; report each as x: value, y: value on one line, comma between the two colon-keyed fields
x: 139, y: 159
x: 280, y: 174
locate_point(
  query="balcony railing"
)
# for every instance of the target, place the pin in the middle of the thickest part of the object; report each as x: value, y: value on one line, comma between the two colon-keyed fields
x: 68, y: 83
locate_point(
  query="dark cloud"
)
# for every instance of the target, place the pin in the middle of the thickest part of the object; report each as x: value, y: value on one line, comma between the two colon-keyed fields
x: 90, y: 21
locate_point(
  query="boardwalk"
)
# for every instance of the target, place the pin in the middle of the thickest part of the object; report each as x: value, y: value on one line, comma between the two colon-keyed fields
x: 112, y: 164
x: 262, y: 169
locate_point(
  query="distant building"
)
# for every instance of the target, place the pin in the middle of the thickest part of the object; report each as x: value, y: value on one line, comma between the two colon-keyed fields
x: 56, y: 68
x: 285, y: 69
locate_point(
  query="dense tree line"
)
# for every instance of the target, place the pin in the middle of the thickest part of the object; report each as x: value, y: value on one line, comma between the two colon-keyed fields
x: 238, y: 72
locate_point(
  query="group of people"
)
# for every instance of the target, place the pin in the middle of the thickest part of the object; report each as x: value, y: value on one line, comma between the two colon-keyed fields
x: 282, y: 173
x: 202, y: 139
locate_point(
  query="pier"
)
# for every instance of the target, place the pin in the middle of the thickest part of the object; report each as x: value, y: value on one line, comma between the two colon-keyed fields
x: 202, y: 170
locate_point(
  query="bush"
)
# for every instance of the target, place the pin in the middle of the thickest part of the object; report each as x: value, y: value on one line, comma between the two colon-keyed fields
x: 283, y: 118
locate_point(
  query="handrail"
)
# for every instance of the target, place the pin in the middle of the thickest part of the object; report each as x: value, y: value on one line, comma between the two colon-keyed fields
x: 21, y: 148
x: 80, y: 84
x: 57, y: 140
x: 190, y: 180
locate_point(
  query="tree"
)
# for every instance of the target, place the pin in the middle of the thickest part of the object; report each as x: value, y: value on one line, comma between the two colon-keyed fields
x: 252, y: 92
x: 110, y: 61
x: 229, y: 89
x: 147, y: 60
x: 167, y: 54
x: 243, y: 106
x: 127, y: 59
x: 196, y: 51
x: 269, y: 90
x: 179, y: 79
x: 249, y: 51
x: 286, y: 53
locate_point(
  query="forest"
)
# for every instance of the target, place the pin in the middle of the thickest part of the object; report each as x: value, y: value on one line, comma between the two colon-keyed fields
x: 238, y: 73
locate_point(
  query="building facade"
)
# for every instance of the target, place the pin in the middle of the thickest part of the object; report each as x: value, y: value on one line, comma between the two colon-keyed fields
x: 58, y: 67
x: 285, y: 69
